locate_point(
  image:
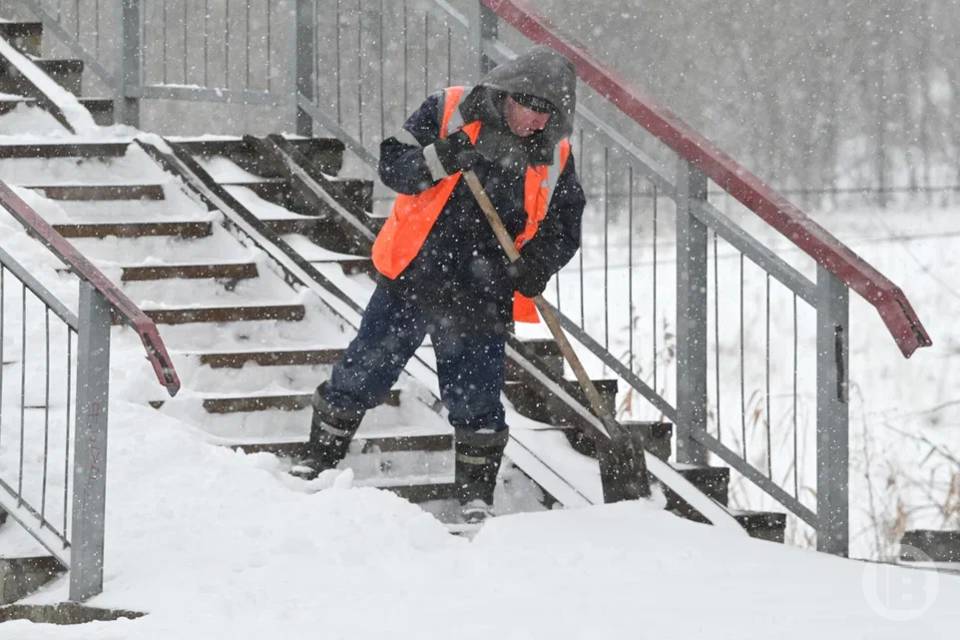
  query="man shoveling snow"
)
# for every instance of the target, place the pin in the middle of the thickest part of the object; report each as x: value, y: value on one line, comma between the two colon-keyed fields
x: 441, y: 269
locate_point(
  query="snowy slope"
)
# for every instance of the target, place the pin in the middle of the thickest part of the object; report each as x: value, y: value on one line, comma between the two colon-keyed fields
x: 215, y: 544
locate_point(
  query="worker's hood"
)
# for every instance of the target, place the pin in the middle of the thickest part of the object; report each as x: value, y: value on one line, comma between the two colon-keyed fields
x: 541, y: 72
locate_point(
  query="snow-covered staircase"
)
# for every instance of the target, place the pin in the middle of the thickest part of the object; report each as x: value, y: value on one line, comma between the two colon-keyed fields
x: 251, y: 343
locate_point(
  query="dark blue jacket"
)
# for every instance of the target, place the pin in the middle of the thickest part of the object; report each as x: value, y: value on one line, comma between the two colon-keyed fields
x: 460, y: 273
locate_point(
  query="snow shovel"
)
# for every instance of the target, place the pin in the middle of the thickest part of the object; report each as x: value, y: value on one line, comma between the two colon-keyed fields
x: 623, y: 467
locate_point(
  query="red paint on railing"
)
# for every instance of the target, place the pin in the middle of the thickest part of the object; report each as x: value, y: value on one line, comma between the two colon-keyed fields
x: 86, y: 270
x: 777, y: 211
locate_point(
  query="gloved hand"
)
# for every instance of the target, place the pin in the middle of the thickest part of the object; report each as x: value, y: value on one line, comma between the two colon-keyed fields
x: 527, y: 278
x: 456, y: 152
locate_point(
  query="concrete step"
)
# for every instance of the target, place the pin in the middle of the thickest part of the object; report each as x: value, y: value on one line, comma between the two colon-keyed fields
x: 21, y: 576
x: 423, y: 491
x: 535, y: 403
x: 327, y: 153
x: 25, y: 37
x: 67, y: 72
x: 228, y: 313
x: 100, y: 191
x: 939, y: 546
x: 546, y: 350
x: 364, y: 444
x: 763, y: 525
x: 351, y: 265
x: 712, y: 481
x: 234, y: 271
x: 64, y: 150
x: 279, y: 191
x: 282, y: 357
x: 182, y: 229
x: 100, y: 108
x: 263, y: 402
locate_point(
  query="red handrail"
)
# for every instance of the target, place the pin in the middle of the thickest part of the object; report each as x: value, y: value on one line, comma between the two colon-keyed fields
x: 86, y: 270
x: 776, y: 210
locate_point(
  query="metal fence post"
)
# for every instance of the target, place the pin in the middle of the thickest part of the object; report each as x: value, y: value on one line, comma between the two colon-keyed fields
x: 90, y: 449
x: 691, y: 315
x: 302, y: 63
x: 126, y: 104
x: 483, y: 26
x: 833, y: 415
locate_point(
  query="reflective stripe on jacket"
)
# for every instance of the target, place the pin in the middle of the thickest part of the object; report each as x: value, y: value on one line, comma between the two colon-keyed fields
x: 413, y: 216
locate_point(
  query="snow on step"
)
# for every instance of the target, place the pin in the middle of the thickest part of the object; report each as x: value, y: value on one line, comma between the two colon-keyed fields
x: 318, y: 324
x: 265, y: 289
x: 274, y: 425
x: 174, y: 206
x: 217, y: 246
x: 251, y: 377
x: 261, y: 208
x: 313, y: 252
x: 224, y: 170
x: 135, y: 167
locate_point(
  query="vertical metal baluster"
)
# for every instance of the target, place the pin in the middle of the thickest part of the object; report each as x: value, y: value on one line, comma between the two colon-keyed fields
x: 270, y: 48
x: 426, y: 54
x: 769, y: 440
x: 630, y: 259
x: 606, y: 243
x: 796, y: 365
x: 185, y: 48
x: 46, y: 415
x: 66, y: 437
x: 583, y: 180
x: 339, y: 76
x: 246, y: 42
x: 23, y: 385
x: 3, y: 306
x: 743, y: 384
x: 316, y: 54
x: 383, y: 95
x: 226, y: 44
x: 360, y: 69
x: 96, y: 26
x: 716, y: 329
x: 206, y: 41
x: 163, y: 19
x: 656, y: 365
x: 406, y: 57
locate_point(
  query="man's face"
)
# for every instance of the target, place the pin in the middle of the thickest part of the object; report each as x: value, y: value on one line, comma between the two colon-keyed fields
x: 522, y: 121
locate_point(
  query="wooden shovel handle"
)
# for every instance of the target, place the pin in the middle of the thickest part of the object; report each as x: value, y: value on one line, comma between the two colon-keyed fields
x: 553, y: 323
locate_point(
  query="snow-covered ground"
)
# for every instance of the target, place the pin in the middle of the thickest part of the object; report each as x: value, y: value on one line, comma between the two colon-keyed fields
x: 215, y: 544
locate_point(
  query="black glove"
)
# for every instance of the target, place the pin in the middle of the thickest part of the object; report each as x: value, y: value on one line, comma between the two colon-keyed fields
x: 456, y: 152
x: 527, y: 278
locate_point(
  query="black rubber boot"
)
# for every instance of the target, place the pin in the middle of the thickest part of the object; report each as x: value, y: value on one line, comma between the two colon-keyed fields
x: 330, y: 433
x: 478, y: 456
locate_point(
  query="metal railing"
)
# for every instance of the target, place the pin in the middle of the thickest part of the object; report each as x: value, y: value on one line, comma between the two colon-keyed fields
x: 53, y: 435
x: 795, y: 453
x: 729, y: 318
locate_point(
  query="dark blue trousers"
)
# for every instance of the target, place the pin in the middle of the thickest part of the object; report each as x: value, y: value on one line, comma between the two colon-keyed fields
x: 470, y: 365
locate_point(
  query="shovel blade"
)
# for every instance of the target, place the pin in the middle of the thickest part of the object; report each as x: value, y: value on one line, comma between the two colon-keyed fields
x: 623, y: 468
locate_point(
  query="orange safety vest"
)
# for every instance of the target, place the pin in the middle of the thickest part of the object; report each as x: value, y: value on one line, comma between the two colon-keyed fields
x: 413, y: 216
